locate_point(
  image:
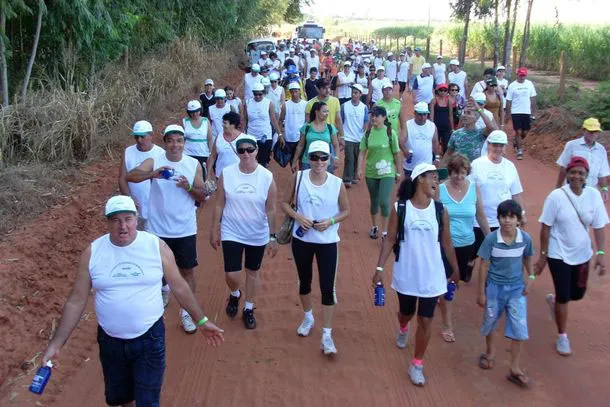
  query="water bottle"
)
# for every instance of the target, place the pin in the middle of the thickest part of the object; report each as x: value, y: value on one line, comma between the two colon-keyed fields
x: 301, y: 231
x: 379, y: 295
x: 41, y: 379
x: 451, y: 286
x: 410, y: 157
x: 167, y: 173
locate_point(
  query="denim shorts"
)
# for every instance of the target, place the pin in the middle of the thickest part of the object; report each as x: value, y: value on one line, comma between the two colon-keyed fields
x: 133, y: 368
x: 509, y: 298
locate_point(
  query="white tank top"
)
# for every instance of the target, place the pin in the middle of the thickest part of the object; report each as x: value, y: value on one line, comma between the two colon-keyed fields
x: 244, y: 218
x: 459, y: 79
x: 364, y: 82
x: 276, y: 97
x: 439, y: 73
x: 249, y: 81
x: 196, y: 138
x: 259, y: 122
x: 171, y: 210
x: 425, y: 89
x: 294, y: 120
x: 216, y: 114
x: 419, y: 270
x: 226, y: 153
x: 140, y: 190
x: 419, y: 139
x: 318, y: 202
x: 403, y: 71
x: 127, y: 283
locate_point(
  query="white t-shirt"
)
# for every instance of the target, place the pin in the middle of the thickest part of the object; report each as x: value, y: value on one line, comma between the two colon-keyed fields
x: 497, y: 182
x: 196, y: 138
x: 226, y: 152
x: 277, y: 96
x: 478, y: 87
x: 140, y: 190
x: 377, y: 88
x: 249, y: 81
x: 403, y: 71
x: 390, y: 69
x: 378, y: 62
x: 235, y: 103
x: 344, y: 83
x: 439, y: 73
x: 569, y: 241
x: 364, y: 82
x: 216, y: 114
x: 424, y: 88
x: 294, y: 119
x: 354, y: 119
x: 519, y: 94
x: 313, y: 62
x: 419, y: 139
x: 459, y: 79
x: 503, y: 87
x: 244, y: 218
x: 596, y: 156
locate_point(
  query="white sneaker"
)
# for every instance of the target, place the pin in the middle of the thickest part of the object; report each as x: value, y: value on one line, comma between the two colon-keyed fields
x: 563, y: 346
x: 402, y: 339
x: 550, y: 300
x: 165, y: 296
x: 327, y: 345
x: 305, y: 328
x: 188, y: 325
x: 416, y: 374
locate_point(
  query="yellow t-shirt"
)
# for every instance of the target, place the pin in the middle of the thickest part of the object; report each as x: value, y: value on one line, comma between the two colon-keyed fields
x: 333, y: 108
x: 417, y: 63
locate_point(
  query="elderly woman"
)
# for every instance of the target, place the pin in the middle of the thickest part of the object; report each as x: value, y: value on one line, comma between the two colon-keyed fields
x: 565, y: 244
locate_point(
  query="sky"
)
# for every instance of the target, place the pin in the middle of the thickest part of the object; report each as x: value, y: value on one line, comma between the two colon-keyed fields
x: 570, y: 11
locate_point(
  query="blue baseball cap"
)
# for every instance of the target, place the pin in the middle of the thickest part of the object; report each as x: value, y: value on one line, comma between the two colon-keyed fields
x: 292, y: 70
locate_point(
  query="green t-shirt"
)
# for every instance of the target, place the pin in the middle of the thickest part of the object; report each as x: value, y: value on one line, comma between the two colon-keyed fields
x: 313, y: 135
x: 380, y: 155
x: 467, y: 142
x: 393, y: 110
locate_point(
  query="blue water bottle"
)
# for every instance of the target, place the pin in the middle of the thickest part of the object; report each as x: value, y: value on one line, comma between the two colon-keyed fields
x: 41, y: 379
x: 300, y: 232
x: 167, y: 173
x: 451, y: 286
x: 379, y: 295
x: 410, y: 157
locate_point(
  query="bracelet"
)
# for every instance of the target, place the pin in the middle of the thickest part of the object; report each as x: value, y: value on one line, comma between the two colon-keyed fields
x: 379, y: 269
x: 479, y: 110
x: 189, y: 189
x: 532, y: 277
x: 600, y: 252
x: 202, y: 321
x: 332, y: 221
x: 604, y: 188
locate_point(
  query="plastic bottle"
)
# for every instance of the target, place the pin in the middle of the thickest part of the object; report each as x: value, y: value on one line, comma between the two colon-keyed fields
x: 300, y: 232
x: 379, y: 295
x: 451, y: 286
x: 41, y: 378
x: 167, y: 173
x: 410, y: 157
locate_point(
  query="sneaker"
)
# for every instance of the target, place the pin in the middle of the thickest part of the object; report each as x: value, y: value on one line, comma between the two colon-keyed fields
x: 563, y: 346
x: 373, y: 232
x: 519, y: 155
x: 327, y: 345
x: 165, y: 296
x: 416, y: 374
x: 305, y: 328
x: 188, y: 325
x: 402, y: 339
x: 233, y: 305
x: 550, y: 300
x: 248, y: 317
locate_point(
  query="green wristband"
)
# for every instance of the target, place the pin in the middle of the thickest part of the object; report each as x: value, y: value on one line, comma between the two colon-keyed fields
x: 600, y: 252
x: 604, y: 188
x: 332, y: 221
x: 532, y: 277
x: 202, y: 321
x: 189, y: 189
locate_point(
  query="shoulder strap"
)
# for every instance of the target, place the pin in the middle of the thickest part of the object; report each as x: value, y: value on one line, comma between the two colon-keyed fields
x: 401, y: 212
x: 440, y: 210
x: 576, y: 210
x: 330, y: 129
x: 296, y: 191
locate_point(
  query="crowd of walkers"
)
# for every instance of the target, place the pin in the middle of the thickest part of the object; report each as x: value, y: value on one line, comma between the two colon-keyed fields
x: 445, y: 201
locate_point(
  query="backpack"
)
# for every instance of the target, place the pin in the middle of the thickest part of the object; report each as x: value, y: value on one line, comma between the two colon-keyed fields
x: 307, y: 128
x: 402, y: 212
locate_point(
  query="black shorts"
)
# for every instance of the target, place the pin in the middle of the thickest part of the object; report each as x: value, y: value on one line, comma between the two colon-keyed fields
x: 402, y: 86
x: 521, y: 122
x: 184, y: 249
x: 478, y: 240
x: 425, y: 306
x: 570, y: 281
x: 232, y: 253
x: 463, y: 255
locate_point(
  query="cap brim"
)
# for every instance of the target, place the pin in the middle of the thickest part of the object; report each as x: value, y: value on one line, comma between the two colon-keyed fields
x: 121, y: 211
x: 245, y: 140
x: 592, y: 129
x: 140, y: 133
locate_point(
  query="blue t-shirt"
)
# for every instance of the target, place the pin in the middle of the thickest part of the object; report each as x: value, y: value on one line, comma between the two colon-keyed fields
x: 461, y: 215
x: 506, y: 261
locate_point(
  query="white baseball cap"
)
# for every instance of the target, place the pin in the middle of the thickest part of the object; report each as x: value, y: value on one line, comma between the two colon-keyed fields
x: 439, y: 57
x: 141, y: 128
x: 367, y: 61
x: 173, y: 128
x: 390, y: 54
x: 193, y: 106
x: 273, y: 76
x: 426, y: 65
x: 425, y: 167
x: 256, y: 68
x: 220, y: 93
x: 501, y: 67
x: 387, y: 84
x: 381, y: 68
x: 293, y: 85
x: 358, y: 87
x: 208, y: 82
x: 454, y: 62
x: 119, y: 204
x: 265, y: 82
x: 347, y: 63
x: 479, y: 97
x: 497, y: 137
x: 263, y: 53
x: 319, y: 146
x: 422, y: 107
x: 258, y: 87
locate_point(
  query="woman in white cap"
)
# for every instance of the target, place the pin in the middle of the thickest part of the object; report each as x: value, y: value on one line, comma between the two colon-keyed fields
x: 292, y: 118
x: 321, y: 204
x: 276, y: 94
x: 345, y: 80
x: 198, y: 137
x: 420, y: 143
x: 418, y: 228
x: 259, y: 121
x: 217, y: 110
x: 376, y: 88
x: 391, y: 68
x: 459, y: 77
x: 440, y: 71
x: 362, y: 79
x: 224, y: 151
x: 250, y: 79
x: 244, y: 225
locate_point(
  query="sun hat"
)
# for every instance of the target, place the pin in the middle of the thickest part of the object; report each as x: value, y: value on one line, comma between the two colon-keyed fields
x: 193, y: 105
x: 479, y: 97
x: 418, y: 49
x: 246, y: 139
x: 390, y: 54
x: 442, y: 86
x: 119, y: 204
x: 454, y: 62
x: 220, y: 93
x: 256, y: 68
x: 591, y: 124
x: 422, y: 107
x: 425, y: 167
x: 522, y: 71
x: 294, y: 85
x: 141, y: 128
x: 439, y: 57
x: 173, y: 128
x: 576, y: 161
x: 208, y: 82
x: 497, y: 137
x: 358, y: 87
x: 273, y: 76
x: 319, y: 146
x: 263, y: 53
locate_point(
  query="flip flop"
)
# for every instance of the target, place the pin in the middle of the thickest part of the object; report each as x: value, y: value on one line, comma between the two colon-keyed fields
x: 519, y: 379
x: 448, y: 335
x: 485, y: 362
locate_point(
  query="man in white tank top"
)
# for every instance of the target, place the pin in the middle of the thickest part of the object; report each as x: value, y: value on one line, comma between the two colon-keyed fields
x: 424, y: 85
x: 420, y: 143
x: 250, y: 79
x: 177, y: 182
x: 259, y: 121
x: 219, y: 109
x: 125, y: 267
x: 457, y: 76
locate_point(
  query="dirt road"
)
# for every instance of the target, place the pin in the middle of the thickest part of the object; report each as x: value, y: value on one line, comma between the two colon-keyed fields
x: 272, y: 366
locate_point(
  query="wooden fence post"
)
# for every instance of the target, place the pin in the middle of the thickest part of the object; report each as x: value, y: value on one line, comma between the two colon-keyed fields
x: 441, y: 50
x: 428, y: 48
x: 515, y: 61
x: 563, y: 68
x: 482, y: 55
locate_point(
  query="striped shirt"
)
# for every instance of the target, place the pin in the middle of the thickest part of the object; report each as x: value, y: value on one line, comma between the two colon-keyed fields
x: 506, y: 260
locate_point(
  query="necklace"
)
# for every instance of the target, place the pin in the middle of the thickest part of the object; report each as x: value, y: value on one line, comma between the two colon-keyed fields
x: 456, y: 187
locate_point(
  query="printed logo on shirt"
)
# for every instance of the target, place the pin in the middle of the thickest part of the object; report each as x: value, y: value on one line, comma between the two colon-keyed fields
x: 420, y: 224
x: 126, y: 270
x: 245, y: 189
x: 495, y: 176
x: 383, y: 167
x: 315, y: 200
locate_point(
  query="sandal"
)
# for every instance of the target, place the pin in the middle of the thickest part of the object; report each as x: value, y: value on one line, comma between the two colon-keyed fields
x: 485, y: 362
x: 448, y: 335
x: 520, y: 379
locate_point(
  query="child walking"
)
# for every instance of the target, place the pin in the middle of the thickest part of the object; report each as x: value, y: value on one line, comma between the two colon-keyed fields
x: 506, y: 254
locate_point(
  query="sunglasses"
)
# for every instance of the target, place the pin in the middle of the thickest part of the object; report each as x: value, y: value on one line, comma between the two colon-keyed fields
x: 246, y: 150
x: 442, y: 90
x: 492, y: 86
x: 257, y: 93
x: 453, y: 90
x: 315, y: 157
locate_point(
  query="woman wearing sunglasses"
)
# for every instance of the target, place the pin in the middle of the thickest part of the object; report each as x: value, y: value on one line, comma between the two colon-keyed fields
x: 244, y: 221
x: 441, y: 113
x: 259, y: 121
x: 321, y: 204
x: 224, y: 151
x: 457, y: 103
x: 493, y: 100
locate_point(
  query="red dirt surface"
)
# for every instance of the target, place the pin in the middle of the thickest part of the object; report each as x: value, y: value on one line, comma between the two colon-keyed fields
x: 272, y: 366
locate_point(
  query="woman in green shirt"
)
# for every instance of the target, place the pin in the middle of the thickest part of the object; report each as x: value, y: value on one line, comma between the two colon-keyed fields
x: 380, y: 152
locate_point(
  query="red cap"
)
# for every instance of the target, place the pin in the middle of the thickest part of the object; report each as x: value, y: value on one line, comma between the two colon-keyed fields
x: 577, y: 162
x: 442, y: 86
x: 522, y: 71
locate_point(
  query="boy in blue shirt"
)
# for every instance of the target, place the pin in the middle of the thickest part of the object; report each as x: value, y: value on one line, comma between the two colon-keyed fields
x: 506, y: 253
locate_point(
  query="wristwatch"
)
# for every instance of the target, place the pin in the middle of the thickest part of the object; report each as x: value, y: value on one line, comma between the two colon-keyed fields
x: 272, y: 236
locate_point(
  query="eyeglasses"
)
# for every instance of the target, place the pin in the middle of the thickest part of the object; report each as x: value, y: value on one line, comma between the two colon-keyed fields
x: 246, y: 150
x: 453, y: 90
x: 492, y: 86
x: 257, y: 93
x: 316, y: 157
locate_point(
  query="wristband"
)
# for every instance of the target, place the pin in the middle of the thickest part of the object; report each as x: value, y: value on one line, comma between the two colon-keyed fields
x: 532, y: 277
x: 600, y: 252
x: 332, y: 221
x: 189, y: 189
x: 604, y: 188
x: 379, y: 269
x: 202, y: 321
x: 479, y: 110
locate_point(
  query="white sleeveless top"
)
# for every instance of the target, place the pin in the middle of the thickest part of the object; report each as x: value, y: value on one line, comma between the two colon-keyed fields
x: 403, y: 71
x: 390, y: 70
x: 226, y: 153
x: 171, y: 210
x: 259, y: 121
x: 419, y: 270
x: 196, y: 138
x: 294, y: 120
x: 318, y: 202
x: 364, y: 82
x: 439, y: 73
x: 140, y: 190
x: 244, y: 218
x: 425, y: 89
x: 127, y: 283
x: 216, y: 114
x: 249, y: 81
x: 419, y: 139
x: 459, y: 79
x: 276, y: 97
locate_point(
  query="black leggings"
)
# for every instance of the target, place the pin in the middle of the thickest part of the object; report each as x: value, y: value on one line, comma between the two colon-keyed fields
x: 327, y: 255
x: 570, y: 281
